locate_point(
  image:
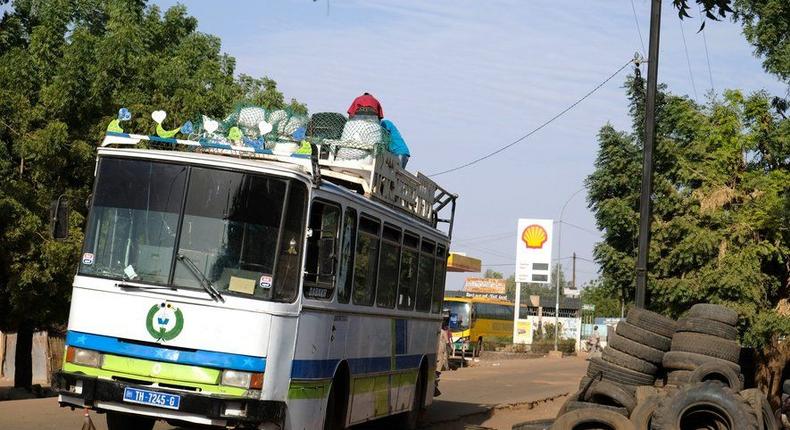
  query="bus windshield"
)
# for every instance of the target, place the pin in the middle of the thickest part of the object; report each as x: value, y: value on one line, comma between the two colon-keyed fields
x: 460, y: 315
x: 148, y: 217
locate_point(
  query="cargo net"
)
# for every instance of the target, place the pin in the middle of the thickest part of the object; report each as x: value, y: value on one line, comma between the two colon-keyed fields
x: 286, y: 131
x: 357, y: 138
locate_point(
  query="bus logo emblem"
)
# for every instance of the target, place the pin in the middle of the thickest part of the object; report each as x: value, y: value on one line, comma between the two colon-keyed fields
x: 164, y: 321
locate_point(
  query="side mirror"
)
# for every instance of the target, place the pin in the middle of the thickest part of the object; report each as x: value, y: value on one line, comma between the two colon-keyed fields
x: 326, y: 256
x: 59, y: 218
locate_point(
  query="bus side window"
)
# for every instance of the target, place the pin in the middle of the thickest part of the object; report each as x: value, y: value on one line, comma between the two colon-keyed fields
x: 366, y: 261
x: 389, y: 266
x: 321, y: 258
x: 425, y: 275
x: 346, y: 270
x: 438, y: 279
x: 289, y: 262
x: 408, y: 271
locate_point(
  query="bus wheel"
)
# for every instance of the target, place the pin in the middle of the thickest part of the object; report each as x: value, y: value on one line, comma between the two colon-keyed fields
x: 478, y: 348
x: 408, y: 420
x: 119, y: 421
x: 334, y: 416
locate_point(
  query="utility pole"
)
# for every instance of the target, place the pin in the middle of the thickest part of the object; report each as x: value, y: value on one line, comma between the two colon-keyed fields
x: 573, y: 282
x: 645, y: 201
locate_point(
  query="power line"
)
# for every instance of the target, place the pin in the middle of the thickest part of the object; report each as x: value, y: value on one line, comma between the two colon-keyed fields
x: 705, y: 42
x: 638, y: 30
x: 597, y: 233
x: 688, y: 59
x: 538, y: 128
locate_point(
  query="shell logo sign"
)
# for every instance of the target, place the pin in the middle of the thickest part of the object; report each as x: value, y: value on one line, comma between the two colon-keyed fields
x: 534, y: 236
x: 533, y: 250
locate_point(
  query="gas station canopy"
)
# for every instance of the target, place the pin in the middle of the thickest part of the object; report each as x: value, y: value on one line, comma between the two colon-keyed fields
x: 461, y: 263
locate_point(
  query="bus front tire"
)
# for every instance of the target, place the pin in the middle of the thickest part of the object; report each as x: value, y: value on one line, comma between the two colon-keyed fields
x: 119, y: 421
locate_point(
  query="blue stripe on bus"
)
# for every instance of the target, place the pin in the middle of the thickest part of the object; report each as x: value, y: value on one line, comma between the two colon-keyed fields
x: 323, y: 369
x: 401, y: 331
x: 112, y: 345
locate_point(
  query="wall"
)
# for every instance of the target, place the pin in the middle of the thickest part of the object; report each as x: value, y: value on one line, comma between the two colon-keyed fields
x: 44, y: 362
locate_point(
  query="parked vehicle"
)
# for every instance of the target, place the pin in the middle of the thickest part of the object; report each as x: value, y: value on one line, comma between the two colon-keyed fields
x: 239, y: 289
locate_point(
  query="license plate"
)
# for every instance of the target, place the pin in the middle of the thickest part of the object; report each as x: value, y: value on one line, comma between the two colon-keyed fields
x: 151, y: 398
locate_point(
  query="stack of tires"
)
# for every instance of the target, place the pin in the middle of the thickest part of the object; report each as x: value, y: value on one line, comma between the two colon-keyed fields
x: 632, y: 358
x: 704, y: 347
x: 658, y: 374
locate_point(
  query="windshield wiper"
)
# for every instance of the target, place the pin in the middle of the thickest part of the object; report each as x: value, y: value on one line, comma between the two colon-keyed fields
x: 204, y: 282
x: 126, y: 286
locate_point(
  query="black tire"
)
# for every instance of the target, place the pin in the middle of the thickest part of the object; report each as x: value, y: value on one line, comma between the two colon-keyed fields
x: 584, y: 418
x: 713, y: 312
x: 635, y: 349
x: 612, y: 372
x: 651, y: 321
x: 572, y: 398
x: 706, y: 326
x: 705, y: 405
x: 576, y: 405
x: 704, y: 344
x: 711, y: 371
x: 786, y: 386
x: 678, y: 377
x: 766, y: 419
x: 645, y: 337
x: 410, y: 420
x: 334, y: 415
x: 679, y: 360
x: 119, y: 421
x: 642, y: 415
x: 628, y: 361
x: 607, y: 393
x: 533, y: 425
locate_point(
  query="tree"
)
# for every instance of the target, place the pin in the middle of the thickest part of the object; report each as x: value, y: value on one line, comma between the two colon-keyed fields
x: 766, y: 25
x: 65, y: 68
x: 720, y: 230
x: 606, y: 304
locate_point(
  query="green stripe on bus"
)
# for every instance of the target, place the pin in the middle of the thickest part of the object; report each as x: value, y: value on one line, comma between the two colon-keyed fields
x: 362, y: 385
x: 106, y: 374
x: 404, y: 378
x: 381, y: 395
x: 304, y: 390
x: 153, y: 369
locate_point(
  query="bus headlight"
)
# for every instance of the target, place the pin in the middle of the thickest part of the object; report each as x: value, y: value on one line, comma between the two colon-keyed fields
x: 83, y: 357
x: 235, y: 378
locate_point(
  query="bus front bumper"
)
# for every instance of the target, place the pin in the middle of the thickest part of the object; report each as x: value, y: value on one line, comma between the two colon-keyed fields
x: 105, y: 395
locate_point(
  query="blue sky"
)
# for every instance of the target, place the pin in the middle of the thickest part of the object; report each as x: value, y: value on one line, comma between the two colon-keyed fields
x: 461, y: 78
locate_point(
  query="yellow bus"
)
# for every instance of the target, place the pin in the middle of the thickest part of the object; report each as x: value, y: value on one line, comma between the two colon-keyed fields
x: 473, y: 319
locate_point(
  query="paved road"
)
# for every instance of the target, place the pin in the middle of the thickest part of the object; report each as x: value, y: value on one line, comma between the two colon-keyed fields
x: 466, y: 395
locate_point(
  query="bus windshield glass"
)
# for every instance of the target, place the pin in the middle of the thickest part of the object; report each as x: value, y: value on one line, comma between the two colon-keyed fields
x: 460, y: 315
x: 230, y: 228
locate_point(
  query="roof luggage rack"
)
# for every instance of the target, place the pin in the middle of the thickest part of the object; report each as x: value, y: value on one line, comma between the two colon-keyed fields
x: 357, y: 166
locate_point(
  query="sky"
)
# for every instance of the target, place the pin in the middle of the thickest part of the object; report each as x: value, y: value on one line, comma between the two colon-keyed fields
x: 462, y: 78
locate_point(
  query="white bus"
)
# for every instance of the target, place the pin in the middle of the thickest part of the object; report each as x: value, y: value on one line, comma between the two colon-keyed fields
x: 235, y: 288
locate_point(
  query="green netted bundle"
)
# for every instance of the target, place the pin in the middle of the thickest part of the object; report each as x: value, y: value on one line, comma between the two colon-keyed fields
x: 352, y: 139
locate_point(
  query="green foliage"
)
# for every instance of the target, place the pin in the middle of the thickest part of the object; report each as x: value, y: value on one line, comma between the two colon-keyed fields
x: 766, y: 25
x: 720, y: 230
x: 66, y: 67
x: 606, y: 304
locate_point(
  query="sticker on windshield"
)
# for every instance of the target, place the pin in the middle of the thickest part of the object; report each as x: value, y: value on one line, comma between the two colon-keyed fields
x: 129, y: 271
x: 88, y: 258
x: 265, y: 282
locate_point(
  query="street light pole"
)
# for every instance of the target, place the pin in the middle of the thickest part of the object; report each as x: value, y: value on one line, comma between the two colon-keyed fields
x: 557, y: 276
x: 645, y: 201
